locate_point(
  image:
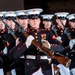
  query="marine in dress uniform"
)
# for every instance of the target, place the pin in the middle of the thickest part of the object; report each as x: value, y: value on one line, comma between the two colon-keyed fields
x: 56, y: 44
x: 36, y: 59
x: 22, y: 42
x: 48, y: 35
x: 2, y: 43
x: 10, y: 40
x: 22, y: 20
x: 61, y: 26
x: 71, y: 53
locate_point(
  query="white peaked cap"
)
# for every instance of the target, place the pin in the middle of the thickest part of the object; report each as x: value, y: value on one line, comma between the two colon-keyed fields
x: 34, y: 11
x: 61, y: 14
x: 2, y: 13
x: 71, y: 16
x: 47, y: 16
x: 10, y: 14
x: 20, y: 12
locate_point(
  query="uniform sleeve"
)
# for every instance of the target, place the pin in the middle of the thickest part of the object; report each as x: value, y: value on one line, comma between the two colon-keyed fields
x: 57, y: 48
x: 19, y: 50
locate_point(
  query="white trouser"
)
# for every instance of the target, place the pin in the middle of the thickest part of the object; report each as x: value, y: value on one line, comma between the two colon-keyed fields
x: 1, y: 72
x: 38, y: 72
x: 13, y: 72
x: 63, y: 70
x: 73, y: 71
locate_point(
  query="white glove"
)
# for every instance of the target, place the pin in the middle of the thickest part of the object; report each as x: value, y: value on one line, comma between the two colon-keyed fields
x: 46, y: 44
x: 17, y: 41
x: 5, y: 50
x: 58, y: 38
x: 72, y: 43
x: 29, y: 40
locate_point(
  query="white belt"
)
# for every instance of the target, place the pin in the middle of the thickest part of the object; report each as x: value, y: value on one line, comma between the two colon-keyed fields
x: 34, y: 57
x: 22, y: 56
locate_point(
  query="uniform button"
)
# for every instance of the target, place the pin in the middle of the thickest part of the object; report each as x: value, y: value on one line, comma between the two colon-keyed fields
x: 35, y: 33
x: 72, y: 55
x: 27, y: 63
x: 36, y: 37
x: 37, y: 48
x: 32, y: 30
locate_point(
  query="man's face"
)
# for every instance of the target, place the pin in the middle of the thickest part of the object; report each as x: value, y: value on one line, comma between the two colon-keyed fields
x: 60, y: 22
x: 47, y: 24
x: 23, y: 23
x: 11, y: 24
x: 2, y: 26
x: 34, y: 23
x: 72, y: 24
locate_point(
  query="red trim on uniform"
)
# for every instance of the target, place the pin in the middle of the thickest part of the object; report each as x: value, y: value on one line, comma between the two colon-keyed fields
x: 18, y: 42
x: 8, y: 44
x: 53, y: 37
x: 60, y: 42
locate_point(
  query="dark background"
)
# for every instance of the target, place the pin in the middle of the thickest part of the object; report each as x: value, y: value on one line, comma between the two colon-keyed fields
x: 6, y: 5
x: 49, y: 6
